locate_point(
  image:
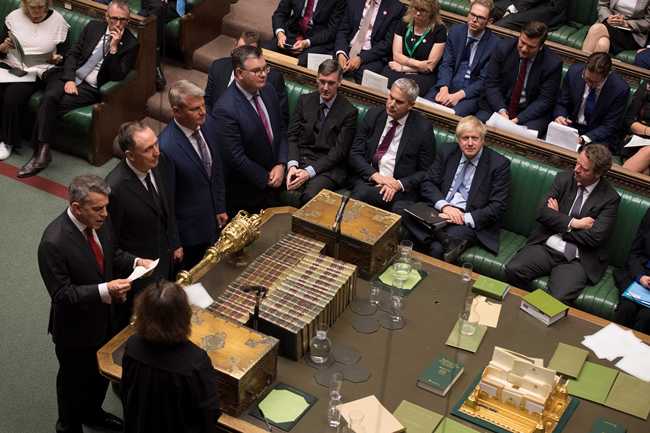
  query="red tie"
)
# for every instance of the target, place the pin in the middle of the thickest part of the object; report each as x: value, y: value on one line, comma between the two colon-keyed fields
x: 513, y: 108
x: 304, y: 21
x: 265, y: 122
x: 385, y: 144
x: 97, y: 251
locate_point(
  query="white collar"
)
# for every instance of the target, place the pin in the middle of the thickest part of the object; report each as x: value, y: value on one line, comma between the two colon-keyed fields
x: 78, y: 224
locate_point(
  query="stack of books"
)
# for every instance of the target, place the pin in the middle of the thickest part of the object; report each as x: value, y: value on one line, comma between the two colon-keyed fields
x: 491, y: 288
x: 544, y: 307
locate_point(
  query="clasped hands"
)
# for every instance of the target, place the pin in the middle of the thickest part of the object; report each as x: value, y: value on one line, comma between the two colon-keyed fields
x: 296, y: 177
x: 443, y: 97
x: 617, y: 20
x: 388, y: 186
x: 349, y: 65
x: 297, y: 46
x: 584, y: 223
x: 452, y: 215
x: 504, y: 114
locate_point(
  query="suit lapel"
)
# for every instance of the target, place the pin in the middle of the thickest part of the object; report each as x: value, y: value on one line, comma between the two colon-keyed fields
x: 593, y: 197
x: 380, y: 124
x: 404, y: 139
x: 138, y: 190
x: 450, y: 171
x: 479, y: 175
x: 186, y: 146
x: 80, y: 242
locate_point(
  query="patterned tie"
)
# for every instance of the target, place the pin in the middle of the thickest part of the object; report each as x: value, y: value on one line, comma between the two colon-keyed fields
x: 204, y: 152
x: 265, y: 122
x: 570, y: 249
x: 304, y: 21
x: 458, y: 179
x: 590, y: 105
x: 385, y: 144
x: 95, y: 57
x: 364, y: 27
x: 513, y: 107
x: 180, y: 7
x: 94, y: 247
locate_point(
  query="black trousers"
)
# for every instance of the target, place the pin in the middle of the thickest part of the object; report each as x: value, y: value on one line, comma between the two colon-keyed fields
x: 553, y: 17
x: 80, y: 389
x: 313, y: 186
x: 369, y: 193
x: 14, y: 98
x: 633, y: 315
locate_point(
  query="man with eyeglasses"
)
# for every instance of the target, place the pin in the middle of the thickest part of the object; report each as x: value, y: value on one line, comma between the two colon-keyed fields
x: 106, y: 51
x: 247, y: 125
x: 462, y: 73
x: 593, y: 100
x: 514, y: 14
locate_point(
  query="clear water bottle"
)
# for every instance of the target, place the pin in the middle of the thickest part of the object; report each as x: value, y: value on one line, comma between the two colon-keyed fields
x: 320, y: 347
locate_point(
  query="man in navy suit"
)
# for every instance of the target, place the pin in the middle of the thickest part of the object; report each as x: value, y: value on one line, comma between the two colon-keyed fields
x: 365, y: 36
x: 642, y: 58
x: 251, y: 134
x: 523, y: 80
x: 593, y: 100
x: 462, y: 73
x: 306, y: 26
x: 194, y: 172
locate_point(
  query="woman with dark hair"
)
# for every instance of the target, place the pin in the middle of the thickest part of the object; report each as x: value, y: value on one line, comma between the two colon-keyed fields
x: 637, y: 122
x: 168, y: 383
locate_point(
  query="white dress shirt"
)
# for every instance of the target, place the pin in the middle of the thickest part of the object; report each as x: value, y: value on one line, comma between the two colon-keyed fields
x: 387, y: 161
x: 91, y: 78
x: 142, y: 175
x: 367, y: 43
x: 190, y: 137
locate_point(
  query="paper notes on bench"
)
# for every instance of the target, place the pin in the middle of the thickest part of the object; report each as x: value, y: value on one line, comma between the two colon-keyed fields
x: 314, y: 60
x: 563, y: 136
x: 375, y: 81
x: 434, y: 105
x: 637, y: 141
x: 499, y: 122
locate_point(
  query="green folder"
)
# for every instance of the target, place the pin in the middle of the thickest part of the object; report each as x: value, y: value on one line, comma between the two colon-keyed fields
x: 490, y: 287
x: 466, y: 342
x: 568, y: 360
x: 593, y: 383
x: 630, y: 395
x: 388, y: 278
x: 282, y: 406
x: 416, y: 419
x: 544, y: 302
x: 449, y: 425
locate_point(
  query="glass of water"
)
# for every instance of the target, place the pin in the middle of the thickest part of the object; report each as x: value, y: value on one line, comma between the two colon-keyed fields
x: 468, y: 321
x: 374, y: 295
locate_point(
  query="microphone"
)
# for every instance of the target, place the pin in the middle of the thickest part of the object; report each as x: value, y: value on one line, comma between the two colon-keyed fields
x: 259, y: 290
x: 260, y: 293
x: 339, y: 213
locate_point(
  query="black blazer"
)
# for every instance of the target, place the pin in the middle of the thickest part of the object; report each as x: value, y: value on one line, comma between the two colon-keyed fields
x: 414, y: 155
x: 140, y: 226
x: 325, y: 20
x: 602, y: 206
x: 78, y: 317
x: 637, y: 261
x: 115, y: 67
x: 328, y: 149
x: 488, y: 195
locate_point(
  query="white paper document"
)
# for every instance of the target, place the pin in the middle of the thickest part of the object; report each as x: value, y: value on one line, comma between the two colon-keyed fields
x: 563, y: 136
x: 314, y: 60
x: 612, y: 342
x: 500, y: 122
x: 435, y: 105
x: 197, y: 295
x: 485, y: 311
x: 6, y: 77
x: 139, y: 271
x: 637, y: 141
x: 636, y: 363
x: 375, y: 81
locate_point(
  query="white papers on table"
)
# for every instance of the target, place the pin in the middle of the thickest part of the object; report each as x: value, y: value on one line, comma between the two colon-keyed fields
x: 6, y: 77
x: 375, y: 81
x: 500, y: 122
x: 139, y: 271
x: 435, y: 105
x: 636, y: 363
x: 314, y: 60
x: 197, y: 295
x: 485, y: 311
x: 563, y: 136
x: 637, y: 141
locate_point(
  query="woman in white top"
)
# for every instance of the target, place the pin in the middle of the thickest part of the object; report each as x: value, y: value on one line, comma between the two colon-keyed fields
x: 623, y: 25
x: 41, y: 33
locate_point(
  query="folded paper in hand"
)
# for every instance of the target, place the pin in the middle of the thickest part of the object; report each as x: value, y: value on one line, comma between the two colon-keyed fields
x: 140, y: 271
x: 637, y: 141
x: 500, y: 122
x: 563, y: 136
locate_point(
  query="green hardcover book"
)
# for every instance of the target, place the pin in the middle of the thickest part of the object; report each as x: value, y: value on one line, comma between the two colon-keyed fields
x: 440, y: 375
x: 491, y: 288
x: 416, y: 419
x: 605, y: 426
x: 544, y: 307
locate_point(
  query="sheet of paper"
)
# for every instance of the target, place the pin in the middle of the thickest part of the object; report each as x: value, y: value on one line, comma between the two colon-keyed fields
x: 376, y: 418
x: 563, y: 136
x: 434, y: 105
x: 500, y: 122
x: 314, y: 60
x: 375, y: 81
x: 6, y: 77
x: 612, y: 342
x: 485, y: 311
x: 197, y: 295
x: 416, y: 419
x: 139, y: 271
x: 466, y: 342
x: 636, y: 363
x: 637, y: 141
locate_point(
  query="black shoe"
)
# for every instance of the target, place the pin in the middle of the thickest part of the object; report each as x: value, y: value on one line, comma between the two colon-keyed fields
x: 454, y: 249
x: 161, y: 82
x: 39, y: 161
x: 105, y: 421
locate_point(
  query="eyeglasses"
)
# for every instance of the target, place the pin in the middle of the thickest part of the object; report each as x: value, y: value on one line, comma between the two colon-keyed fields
x: 421, y: 11
x: 259, y: 71
x: 118, y: 19
x: 480, y: 19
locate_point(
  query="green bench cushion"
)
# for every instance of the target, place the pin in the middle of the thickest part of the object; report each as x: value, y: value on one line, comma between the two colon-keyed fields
x: 460, y: 7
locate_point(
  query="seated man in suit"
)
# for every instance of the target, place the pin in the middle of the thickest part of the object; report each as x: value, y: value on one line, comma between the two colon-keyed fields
x: 221, y: 75
x: 392, y: 150
x: 365, y: 35
x: 106, y: 51
x: 469, y: 186
x: 575, y: 220
x: 305, y: 26
x: 514, y: 14
x: 462, y: 73
x: 523, y: 80
x: 251, y: 134
x: 593, y: 100
x: 320, y: 136
x: 194, y: 173
x: 642, y: 58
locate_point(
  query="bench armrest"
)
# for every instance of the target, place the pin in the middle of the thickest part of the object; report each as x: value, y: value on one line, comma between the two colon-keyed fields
x: 111, y: 87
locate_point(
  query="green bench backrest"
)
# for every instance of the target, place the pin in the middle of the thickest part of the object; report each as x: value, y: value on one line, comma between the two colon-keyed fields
x: 583, y: 11
x: 77, y: 23
x: 7, y: 6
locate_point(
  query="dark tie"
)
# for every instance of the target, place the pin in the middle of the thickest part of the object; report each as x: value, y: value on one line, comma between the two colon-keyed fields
x: 570, y: 249
x: 304, y: 21
x: 467, y: 51
x: 321, y: 117
x: 204, y: 152
x: 385, y: 144
x: 590, y: 105
x: 513, y: 107
x: 260, y: 113
x: 94, y: 247
x: 152, y: 191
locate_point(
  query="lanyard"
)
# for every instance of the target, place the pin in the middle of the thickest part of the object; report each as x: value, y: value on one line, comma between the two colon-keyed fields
x: 409, y: 33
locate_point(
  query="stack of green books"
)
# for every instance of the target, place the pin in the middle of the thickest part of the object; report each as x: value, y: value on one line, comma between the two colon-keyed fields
x: 440, y: 375
x: 491, y: 288
x: 544, y: 307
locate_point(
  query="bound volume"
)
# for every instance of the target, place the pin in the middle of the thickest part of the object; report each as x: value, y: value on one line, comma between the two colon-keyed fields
x: 544, y: 307
x: 439, y: 377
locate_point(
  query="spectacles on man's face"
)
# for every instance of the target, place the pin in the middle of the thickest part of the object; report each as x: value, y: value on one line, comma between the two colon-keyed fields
x: 259, y: 71
x: 118, y: 19
x: 480, y: 19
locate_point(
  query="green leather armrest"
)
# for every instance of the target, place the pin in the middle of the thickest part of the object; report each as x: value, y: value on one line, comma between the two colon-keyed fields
x: 111, y: 86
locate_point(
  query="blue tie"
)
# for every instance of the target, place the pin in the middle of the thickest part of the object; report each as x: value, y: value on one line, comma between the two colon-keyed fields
x: 87, y: 68
x: 458, y: 180
x: 180, y: 7
x: 590, y: 105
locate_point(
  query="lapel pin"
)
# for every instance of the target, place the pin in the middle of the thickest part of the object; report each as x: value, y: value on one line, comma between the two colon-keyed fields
x: 385, y: 13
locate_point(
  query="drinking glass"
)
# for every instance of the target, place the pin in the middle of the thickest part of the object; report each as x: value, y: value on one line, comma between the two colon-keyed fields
x: 374, y: 295
x: 335, y: 385
x: 468, y: 322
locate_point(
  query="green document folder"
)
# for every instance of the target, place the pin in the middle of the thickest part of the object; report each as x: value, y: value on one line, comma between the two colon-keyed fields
x: 466, y: 342
x: 630, y: 395
x: 490, y: 287
x: 568, y: 360
x: 283, y: 406
x: 544, y: 302
x: 593, y: 383
x: 449, y: 425
x: 416, y: 419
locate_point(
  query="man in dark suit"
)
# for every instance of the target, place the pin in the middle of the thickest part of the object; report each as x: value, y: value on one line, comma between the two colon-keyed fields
x: 593, y: 100
x: 251, y: 134
x: 306, y: 26
x: 523, y: 80
x: 221, y: 75
x: 105, y: 51
x: 575, y: 220
x: 365, y: 36
x: 141, y: 209
x: 462, y: 73
x: 469, y: 186
x: 320, y: 136
x: 78, y: 262
x: 392, y: 150
x: 194, y: 173
x: 514, y: 14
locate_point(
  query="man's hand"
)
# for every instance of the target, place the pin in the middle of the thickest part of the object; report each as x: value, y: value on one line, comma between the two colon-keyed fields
x: 6, y: 45
x: 222, y: 219
x: 276, y: 176
x: 70, y: 88
x: 55, y: 59
x: 353, y: 64
x: 553, y: 204
x: 563, y: 121
x: 299, y: 46
x: 443, y: 95
x: 178, y: 255
x: 118, y: 289
x: 387, y: 192
x: 645, y: 281
x: 145, y: 263
x: 386, y: 180
x: 455, y: 98
x: 116, y: 35
x: 343, y: 62
x: 616, y: 20
x: 296, y: 177
x: 582, y: 223
x: 282, y: 39
x: 453, y: 214
x: 504, y: 114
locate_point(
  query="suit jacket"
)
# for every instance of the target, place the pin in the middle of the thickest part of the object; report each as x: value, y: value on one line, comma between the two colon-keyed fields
x: 541, y: 89
x: 247, y: 155
x: 637, y: 261
x: 414, y: 154
x: 389, y: 14
x: 78, y: 317
x: 488, y: 194
x: 328, y: 149
x: 115, y: 66
x: 325, y: 20
x: 219, y: 80
x: 197, y: 197
x: 639, y: 21
x: 456, y: 41
x: 607, y: 119
x: 140, y: 226
x: 602, y: 206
